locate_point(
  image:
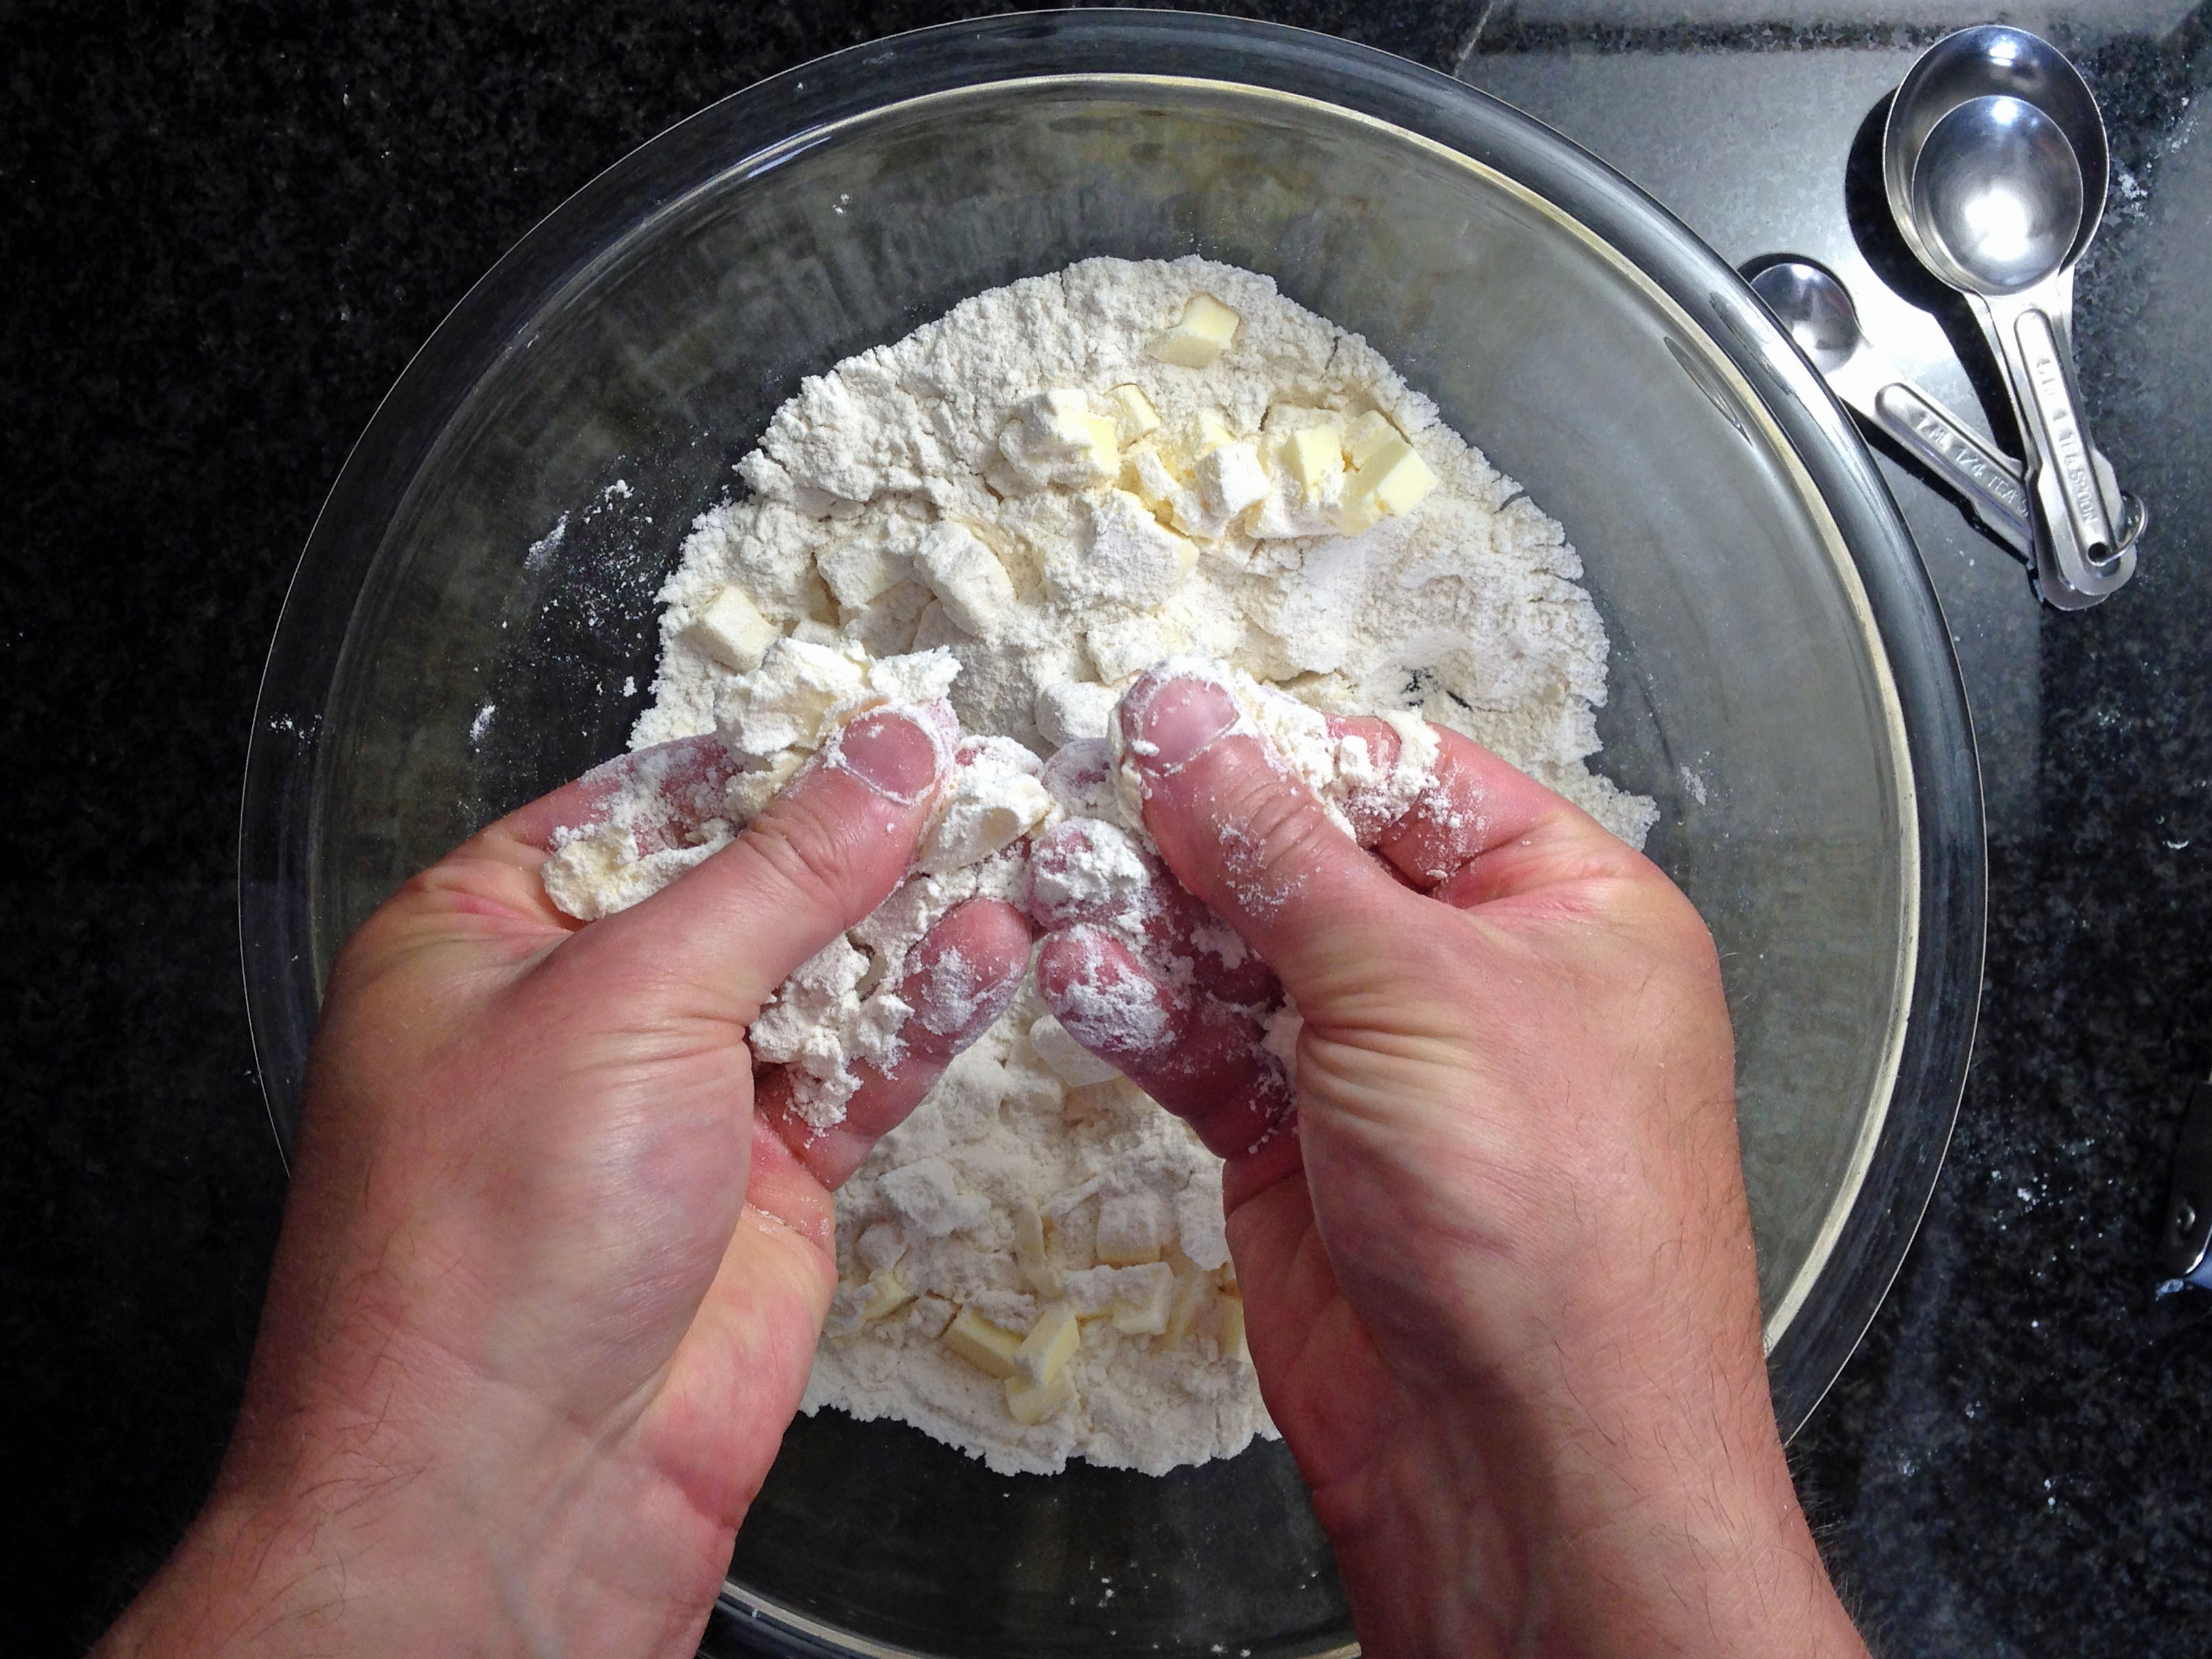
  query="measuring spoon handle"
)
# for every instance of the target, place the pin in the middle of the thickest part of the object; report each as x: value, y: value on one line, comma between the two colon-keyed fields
x: 1956, y: 452
x: 2077, y: 563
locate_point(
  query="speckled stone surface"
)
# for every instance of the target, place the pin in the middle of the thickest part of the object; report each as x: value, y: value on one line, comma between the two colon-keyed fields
x: 228, y: 226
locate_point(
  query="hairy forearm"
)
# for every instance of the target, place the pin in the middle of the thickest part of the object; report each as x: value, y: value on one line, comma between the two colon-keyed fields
x: 327, y: 1544
x: 1482, y: 1533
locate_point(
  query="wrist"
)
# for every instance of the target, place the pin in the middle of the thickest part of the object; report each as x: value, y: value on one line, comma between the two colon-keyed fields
x: 1495, y: 1530
x: 346, y: 1536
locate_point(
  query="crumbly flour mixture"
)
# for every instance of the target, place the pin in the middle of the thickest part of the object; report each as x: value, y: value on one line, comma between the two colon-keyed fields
x: 1020, y: 507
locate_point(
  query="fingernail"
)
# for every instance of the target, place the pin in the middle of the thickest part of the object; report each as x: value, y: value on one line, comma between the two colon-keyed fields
x: 1180, y: 717
x: 891, y: 751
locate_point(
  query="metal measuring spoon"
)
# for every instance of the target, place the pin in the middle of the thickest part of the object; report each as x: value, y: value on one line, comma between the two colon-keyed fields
x: 1810, y: 303
x: 1995, y: 164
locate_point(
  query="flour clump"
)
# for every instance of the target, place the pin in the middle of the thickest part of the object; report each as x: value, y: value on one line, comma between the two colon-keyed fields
x: 1001, y: 522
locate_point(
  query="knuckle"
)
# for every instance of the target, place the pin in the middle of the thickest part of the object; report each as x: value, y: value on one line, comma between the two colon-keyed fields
x: 1270, y: 830
x: 814, y: 860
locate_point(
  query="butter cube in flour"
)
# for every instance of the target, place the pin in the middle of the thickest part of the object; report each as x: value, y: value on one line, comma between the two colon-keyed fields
x: 929, y: 1200
x: 1199, y: 1228
x: 748, y: 792
x: 786, y: 702
x: 862, y: 570
x: 887, y: 1294
x: 1192, y: 1293
x: 880, y: 1247
x: 1231, y: 478
x: 1049, y: 1346
x: 931, y: 1314
x: 1147, y: 1297
x: 731, y: 630
x: 1133, y: 411
x: 1367, y: 435
x: 1066, y: 1059
x: 989, y: 1348
x: 967, y: 578
x: 1151, y: 480
x: 1393, y: 480
x: 992, y: 798
x: 1205, y: 330
x: 1229, y: 1326
x: 1055, y: 439
x: 1313, y: 455
x: 1044, y: 1277
x: 1122, y: 646
x: 1133, y: 1227
x: 1030, y: 1403
x: 1068, y: 710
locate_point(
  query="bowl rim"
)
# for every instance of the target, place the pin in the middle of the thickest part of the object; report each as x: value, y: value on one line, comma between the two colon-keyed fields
x: 751, y: 130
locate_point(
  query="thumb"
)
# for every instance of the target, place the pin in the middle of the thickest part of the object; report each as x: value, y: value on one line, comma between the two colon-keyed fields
x: 826, y: 851
x: 1248, y: 837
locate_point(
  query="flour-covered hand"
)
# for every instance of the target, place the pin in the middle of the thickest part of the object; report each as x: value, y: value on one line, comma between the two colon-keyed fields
x: 1491, y: 1234
x: 548, y: 1283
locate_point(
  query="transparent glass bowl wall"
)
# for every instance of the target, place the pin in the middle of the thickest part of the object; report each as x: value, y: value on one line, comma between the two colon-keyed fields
x: 498, y: 635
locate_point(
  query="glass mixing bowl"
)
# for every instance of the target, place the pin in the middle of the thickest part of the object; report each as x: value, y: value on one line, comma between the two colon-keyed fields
x: 473, y: 622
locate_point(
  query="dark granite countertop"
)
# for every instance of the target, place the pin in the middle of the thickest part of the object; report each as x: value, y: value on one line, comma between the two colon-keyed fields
x: 225, y: 229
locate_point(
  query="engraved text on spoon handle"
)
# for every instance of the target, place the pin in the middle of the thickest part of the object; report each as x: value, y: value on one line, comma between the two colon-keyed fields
x: 1956, y: 453
x: 2066, y: 446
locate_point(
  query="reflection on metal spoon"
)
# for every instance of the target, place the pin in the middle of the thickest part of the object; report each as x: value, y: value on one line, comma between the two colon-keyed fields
x: 1998, y: 195
x: 1811, y: 303
x: 1995, y: 164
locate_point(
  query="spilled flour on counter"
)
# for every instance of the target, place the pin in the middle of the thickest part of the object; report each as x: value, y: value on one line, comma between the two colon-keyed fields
x: 1016, y: 510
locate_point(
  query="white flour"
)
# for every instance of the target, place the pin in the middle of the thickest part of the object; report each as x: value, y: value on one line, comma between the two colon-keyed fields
x: 1056, y: 486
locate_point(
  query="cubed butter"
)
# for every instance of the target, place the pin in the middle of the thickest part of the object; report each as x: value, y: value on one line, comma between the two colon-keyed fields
x: 785, y: 702
x: 1066, y: 1059
x: 1191, y: 1292
x: 887, y: 1294
x: 1210, y: 434
x: 1133, y: 414
x: 1205, y: 330
x: 1229, y: 1326
x: 983, y: 809
x: 932, y: 1314
x: 862, y: 570
x: 1146, y: 1313
x: 731, y: 630
x: 1128, y: 558
x: 989, y: 1348
x: 1313, y: 455
x: 748, y: 793
x: 1030, y: 1254
x: 1049, y: 1346
x: 1068, y: 710
x: 1393, y: 481
x: 1133, y: 1228
x: 1120, y: 647
x: 967, y: 578
x: 1367, y: 435
x: 1030, y: 1403
x: 1102, y: 446
x: 1231, y: 478
x: 1056, y: 439
x: 1147, y: 476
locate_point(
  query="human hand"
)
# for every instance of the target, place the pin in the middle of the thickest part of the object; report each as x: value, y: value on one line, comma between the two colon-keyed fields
x: 554, y: 1262
x: 1497, y: 1263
